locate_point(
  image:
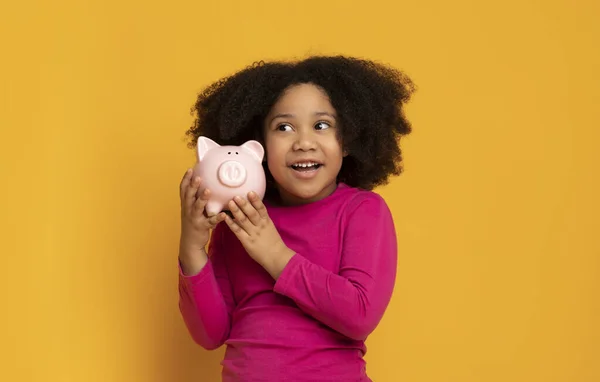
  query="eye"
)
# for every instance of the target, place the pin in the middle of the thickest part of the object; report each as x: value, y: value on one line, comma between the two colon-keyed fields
x: 236, y: 153
x: 229, y: 153
x: 322, y: 126
x: 283, y: 126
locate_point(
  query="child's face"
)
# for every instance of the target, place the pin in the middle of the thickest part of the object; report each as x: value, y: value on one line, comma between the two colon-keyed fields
x: 303, y: 152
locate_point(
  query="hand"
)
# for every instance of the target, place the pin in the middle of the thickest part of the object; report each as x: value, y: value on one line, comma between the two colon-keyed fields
x: 257, y: 233
x: 195, y: 224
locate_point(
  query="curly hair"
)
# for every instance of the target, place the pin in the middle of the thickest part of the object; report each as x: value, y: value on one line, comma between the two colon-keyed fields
x: 367, y: 96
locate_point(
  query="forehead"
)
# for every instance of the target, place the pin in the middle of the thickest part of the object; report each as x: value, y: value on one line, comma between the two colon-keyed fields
x: 303, y: 97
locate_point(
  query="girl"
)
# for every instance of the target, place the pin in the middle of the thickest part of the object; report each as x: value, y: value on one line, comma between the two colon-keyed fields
x: 294, y: 284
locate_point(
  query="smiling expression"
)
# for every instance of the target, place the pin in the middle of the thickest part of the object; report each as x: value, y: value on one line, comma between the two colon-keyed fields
x: 304, y: 153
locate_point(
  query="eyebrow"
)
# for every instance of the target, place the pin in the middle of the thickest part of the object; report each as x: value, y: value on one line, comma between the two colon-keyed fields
x: 318, y: 114
x: 321, y: 113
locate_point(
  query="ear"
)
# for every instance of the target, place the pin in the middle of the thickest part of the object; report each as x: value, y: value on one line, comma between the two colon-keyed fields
x: 205, y: 145
x: 255, y: 148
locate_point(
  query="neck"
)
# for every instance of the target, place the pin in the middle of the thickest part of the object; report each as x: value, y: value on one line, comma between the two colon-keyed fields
x: 284, y: 198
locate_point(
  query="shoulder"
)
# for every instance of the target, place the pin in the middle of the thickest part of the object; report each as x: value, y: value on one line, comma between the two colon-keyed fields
x: 364, y: 210
x: 337, y: 209
x: 367, y: 217
x: 360, y: 201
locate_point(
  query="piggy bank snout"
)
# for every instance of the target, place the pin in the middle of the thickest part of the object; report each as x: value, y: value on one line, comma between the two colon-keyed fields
x: 232, y: 173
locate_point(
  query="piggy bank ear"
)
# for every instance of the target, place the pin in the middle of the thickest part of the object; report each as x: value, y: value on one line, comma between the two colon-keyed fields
x: 256, y: 149
x: 205, y: 145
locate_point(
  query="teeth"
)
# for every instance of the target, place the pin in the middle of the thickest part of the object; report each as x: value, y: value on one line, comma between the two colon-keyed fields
x: 304, y: 165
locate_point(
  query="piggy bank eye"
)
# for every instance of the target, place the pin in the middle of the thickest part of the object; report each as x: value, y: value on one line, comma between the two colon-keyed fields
x: 236, y: 153
x: 229, y: 153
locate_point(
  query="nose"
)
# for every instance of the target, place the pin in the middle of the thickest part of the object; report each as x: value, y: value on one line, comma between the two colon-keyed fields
x: 305, y: 141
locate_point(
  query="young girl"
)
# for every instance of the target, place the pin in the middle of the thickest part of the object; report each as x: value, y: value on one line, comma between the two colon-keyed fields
x: 294, y: 284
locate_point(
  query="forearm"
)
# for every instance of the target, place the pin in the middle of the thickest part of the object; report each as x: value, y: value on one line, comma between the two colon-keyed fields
x: 275, y: 263
x: 352, y: 298
x: 350, y: 305
x: 205, y: 299
x: 203, y: 308
x: 192, y: 260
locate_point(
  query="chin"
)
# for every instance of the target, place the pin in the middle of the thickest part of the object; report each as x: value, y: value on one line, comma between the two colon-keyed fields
x: 307, y: 194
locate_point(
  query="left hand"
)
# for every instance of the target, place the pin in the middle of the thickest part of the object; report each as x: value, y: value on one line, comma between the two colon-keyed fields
x: 257, y: 233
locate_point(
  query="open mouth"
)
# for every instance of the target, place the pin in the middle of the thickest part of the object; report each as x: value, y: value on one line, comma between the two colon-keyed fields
x: 306, y: 166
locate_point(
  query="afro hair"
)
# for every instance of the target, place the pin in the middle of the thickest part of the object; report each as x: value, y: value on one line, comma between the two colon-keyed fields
x: 367, y: 96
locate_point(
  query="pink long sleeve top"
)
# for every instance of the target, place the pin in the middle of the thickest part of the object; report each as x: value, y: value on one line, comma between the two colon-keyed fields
x: 312, y: 322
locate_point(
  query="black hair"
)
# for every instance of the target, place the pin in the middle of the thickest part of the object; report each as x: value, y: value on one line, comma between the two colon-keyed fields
x: 368, y: 98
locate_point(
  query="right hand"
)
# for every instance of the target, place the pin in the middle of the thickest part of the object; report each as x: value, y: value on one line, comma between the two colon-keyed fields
x: 195, y: 224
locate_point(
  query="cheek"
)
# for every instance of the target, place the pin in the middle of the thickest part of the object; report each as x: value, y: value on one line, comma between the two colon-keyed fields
x: 275, y: 164
x: 335, y: 151
x: 272, y: 164
x: 274, y: 154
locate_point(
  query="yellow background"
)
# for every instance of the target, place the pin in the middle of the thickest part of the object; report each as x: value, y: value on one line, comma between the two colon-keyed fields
x: 497, y: 212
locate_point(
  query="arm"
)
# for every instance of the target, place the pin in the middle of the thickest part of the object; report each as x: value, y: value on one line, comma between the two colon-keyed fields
x: 206, y: 298
x: 353, y: 301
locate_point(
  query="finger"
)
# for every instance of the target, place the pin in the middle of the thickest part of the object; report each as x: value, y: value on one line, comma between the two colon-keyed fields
x: 185, y: 181
x: 216, y: 219
x: 201, y: 201
x: 248, y: 209
x: 258, y: 205
x: 236, y: 229
x: 190, y: 192
x: 240, y: 217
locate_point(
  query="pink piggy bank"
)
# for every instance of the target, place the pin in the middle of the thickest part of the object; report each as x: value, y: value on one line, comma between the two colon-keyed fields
x: 229, y: 171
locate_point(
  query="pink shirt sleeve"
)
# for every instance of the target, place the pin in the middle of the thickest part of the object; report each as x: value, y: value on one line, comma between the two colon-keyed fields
x: 206, y: 299
x: 353, y: 301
